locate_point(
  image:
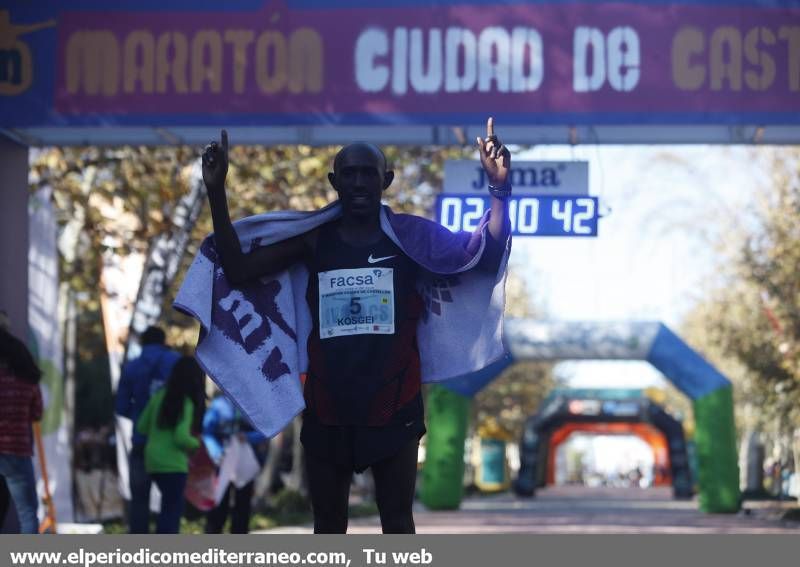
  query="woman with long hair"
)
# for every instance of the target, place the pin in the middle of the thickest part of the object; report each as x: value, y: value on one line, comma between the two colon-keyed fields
x: 172, y: 421
x: 20, y: 406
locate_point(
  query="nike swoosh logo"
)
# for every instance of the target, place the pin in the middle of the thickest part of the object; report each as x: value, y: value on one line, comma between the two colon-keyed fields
x: 372, y: 260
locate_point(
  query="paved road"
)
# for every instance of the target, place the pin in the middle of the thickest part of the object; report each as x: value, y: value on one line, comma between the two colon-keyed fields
x: 571, y: 509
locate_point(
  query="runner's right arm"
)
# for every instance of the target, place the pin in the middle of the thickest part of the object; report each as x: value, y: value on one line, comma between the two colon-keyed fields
x: 238, y: 266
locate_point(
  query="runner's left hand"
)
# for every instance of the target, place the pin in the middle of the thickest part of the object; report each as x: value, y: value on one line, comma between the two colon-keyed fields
x: 495, y: 157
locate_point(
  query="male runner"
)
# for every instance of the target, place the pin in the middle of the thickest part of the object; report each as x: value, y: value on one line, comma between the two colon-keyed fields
x: 362, y: 392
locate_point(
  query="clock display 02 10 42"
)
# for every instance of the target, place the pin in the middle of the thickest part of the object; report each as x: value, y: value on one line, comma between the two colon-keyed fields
x: 531, y: 215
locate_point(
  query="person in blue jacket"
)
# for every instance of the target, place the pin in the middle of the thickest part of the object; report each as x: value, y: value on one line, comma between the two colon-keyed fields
x: 140, y: 379
x: 221, y: 422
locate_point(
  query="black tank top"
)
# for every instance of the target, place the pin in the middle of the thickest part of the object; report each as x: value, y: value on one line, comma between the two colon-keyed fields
x: 370, y: 378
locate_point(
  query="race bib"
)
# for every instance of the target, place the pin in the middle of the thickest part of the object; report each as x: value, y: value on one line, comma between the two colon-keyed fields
x: 356, y: 302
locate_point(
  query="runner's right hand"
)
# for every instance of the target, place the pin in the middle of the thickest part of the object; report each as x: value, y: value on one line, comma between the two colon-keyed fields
x: 215, y: 164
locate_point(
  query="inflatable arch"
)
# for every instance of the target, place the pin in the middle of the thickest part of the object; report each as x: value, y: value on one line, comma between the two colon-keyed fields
x: 602, y: 411
x: 710, y: 392
x: 651, y: 436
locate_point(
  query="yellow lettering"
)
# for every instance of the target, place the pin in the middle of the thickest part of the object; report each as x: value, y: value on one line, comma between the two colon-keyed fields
x: 271, y: 78
x: 139, y: 58
x: 174, y: 67
x: 16, y: 68
x: 92, y: 63
x: 759, y: 81
x: 688, y: 42
x: 240, y: 39
x: 726, y: 58
x: 305, y: 61
x: 791, y: 34
x: 206, y: 42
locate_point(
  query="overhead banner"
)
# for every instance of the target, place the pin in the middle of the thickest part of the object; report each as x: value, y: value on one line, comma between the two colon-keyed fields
x: 440, y: 62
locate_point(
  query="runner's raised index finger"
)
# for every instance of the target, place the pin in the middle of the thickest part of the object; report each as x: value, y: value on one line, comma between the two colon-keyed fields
x: 490, y: 127
x: 224, y: 136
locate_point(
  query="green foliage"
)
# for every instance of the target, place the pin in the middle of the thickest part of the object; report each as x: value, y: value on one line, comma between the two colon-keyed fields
x: 108, y: 201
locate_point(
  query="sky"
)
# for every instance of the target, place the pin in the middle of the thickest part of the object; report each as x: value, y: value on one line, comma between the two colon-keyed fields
x: 653, y: 252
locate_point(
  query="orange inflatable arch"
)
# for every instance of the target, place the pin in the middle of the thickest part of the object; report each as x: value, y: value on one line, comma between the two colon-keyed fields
x: 647, y: 433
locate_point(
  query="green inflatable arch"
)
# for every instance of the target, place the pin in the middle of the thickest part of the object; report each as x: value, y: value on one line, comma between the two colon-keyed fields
x: 711, y: 394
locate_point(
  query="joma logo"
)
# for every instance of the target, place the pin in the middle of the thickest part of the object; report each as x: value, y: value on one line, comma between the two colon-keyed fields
x: 525, y: 177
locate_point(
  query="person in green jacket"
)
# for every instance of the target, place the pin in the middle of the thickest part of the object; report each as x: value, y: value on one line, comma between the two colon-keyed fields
x: 172, y: 421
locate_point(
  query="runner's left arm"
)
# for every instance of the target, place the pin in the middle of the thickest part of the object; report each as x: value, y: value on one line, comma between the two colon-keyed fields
x: 496, y: 161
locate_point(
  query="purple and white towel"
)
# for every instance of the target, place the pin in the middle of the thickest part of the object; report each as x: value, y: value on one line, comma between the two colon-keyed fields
x: 253, y: 336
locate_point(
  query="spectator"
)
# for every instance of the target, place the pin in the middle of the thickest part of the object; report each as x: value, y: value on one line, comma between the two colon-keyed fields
x: 141, y: 377
x: 222, y: 422
x: 20, y: 406
x: 171, y: 420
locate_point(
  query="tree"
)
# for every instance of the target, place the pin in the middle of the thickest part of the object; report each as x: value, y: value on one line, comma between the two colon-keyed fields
x: 110, y: 201
x: 748, y: 323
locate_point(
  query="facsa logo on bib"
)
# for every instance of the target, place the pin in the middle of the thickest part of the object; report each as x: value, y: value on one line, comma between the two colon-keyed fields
x: 350, y: 281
